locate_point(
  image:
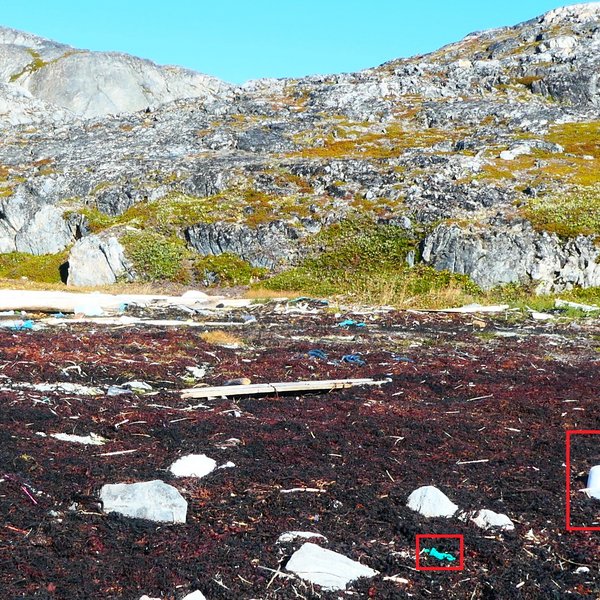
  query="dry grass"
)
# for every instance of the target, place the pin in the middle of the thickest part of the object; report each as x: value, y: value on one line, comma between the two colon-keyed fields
x: 218, y: 337
x: 264, y: 294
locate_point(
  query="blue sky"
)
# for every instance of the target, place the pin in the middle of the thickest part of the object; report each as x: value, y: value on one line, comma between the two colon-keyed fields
x: 238, y: 40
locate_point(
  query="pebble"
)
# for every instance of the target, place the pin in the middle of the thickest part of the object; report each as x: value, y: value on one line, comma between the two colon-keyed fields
x: 488, y: 519
x: 193, y: 465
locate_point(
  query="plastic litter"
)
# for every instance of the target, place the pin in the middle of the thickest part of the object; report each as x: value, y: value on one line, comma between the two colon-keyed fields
x: 353, y: 359
x: 316, y: 353
x: 351, y: 323
x: 307, y: 299
x: 403, y: 359
x: 435, y: 553
x: 116, y: 390
x: 593, y: 483
x: 28, y: 325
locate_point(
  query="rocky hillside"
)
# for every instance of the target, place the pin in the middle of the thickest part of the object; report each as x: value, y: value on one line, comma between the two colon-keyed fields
x: 481, y: 158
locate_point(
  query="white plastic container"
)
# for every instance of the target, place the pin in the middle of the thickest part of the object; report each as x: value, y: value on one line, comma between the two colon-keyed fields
x: 593, y: 483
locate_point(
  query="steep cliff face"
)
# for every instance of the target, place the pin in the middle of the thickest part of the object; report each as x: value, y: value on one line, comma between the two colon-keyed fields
x: 486, y: 133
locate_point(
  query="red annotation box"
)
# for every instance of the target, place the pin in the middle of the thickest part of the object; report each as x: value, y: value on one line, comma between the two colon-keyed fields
x: 440, y: 536
x: 570, y: 433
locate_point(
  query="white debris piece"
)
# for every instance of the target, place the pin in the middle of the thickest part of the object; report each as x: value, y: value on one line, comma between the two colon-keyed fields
x: 68, y: 388
x: 593, y: 483
x: 558, y: 303
x: 488, y: 519
x: 144, y: 597
x: 197, y: 595
x: 193, y: 465
x: 91, y: 440
x: 290, y: 536
x: 330, y: 570
x: 138, y: 386
x: 151, y: 500
x: 581, y: 570
x: 431, y: 502
x: 196, y: 372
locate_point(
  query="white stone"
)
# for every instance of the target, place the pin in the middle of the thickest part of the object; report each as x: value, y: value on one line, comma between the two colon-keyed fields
x: 488, y: 519
x: 330, y: 570
x: 193, y: 465
x: 290, y: 536
x: 90, y: 440
x: 431, y: 502
x: 96, y: 260
x: 151, y: 500
x: 197, y: 595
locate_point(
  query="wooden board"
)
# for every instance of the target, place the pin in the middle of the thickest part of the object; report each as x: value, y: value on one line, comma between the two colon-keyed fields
x: 281, y: 387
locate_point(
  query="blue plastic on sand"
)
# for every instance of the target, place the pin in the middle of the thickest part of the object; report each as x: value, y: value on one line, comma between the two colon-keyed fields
x: 351, y: 323
x: 23, y: 326
x: 353, y: 359
x: 316, y: 353
x: 435, y: 553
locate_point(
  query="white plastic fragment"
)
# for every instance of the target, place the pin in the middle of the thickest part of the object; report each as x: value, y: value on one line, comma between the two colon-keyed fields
x: 91, y: 440
x: 193, y: 465
x: 66, y: 387
x: 138, y: 386
x: 227, y: 465
x: 197, y: 595
x: 593, y: 483
x: 290, y: 536
x: 151, y: 500
x: 488, y: 519
x: 330, y: 570
x: 581, y: 570
x: 558, y: 303
x: 144, y: 597
x: 196, y: 372
x: 431, y: 502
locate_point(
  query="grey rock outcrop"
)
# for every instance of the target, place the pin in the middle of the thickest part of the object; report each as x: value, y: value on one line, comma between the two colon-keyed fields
x: 92, y: 84
x: 97, y: 260
x: 269, y: 245
x: 514, y: 253
x: 459, y: 134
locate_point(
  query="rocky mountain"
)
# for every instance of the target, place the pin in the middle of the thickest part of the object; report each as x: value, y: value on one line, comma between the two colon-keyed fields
x: 486, y: 153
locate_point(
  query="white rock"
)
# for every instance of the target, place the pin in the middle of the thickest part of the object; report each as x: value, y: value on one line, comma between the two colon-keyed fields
x: 138, y: 386
x: 152, y: 500
x: 488, y: 519
x: 330, y: 570
x: 193, y: 465
x: 90, y: 440
x: 516, y: 151
x: 290, y: 536
x: 431, y: 502
x: 197, y: 595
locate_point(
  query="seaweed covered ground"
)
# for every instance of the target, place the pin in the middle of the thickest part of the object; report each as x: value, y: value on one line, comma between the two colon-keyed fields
x: 477, y: 405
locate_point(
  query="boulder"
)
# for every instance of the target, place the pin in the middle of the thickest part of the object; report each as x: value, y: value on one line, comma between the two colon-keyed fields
x: 151, y: 500
x: 431, y: 502
x: 328, y: 569
x: 96, y: 260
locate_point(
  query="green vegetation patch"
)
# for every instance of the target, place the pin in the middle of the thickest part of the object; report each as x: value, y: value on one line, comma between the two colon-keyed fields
x: 577, y: 138
x: 367, y: 262
x: 156, y: 257
x: 574, y: 213
x: 36, y: 64
x: 44, y: 269
x: 227, y: 269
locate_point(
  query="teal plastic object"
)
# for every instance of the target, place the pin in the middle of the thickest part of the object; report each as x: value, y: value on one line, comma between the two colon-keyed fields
x: 435, y: 553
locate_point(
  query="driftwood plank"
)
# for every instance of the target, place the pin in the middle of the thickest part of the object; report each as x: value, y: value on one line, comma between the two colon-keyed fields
x: 281, y: 387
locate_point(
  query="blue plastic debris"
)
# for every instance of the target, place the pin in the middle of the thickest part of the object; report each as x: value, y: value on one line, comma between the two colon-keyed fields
x: 316, y: 353
x: 353, y: 359
x: 435, y: 553
x: 58, y: 315
x: 351, y: 323
x: 403, y: 359
x: 23, y: 325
